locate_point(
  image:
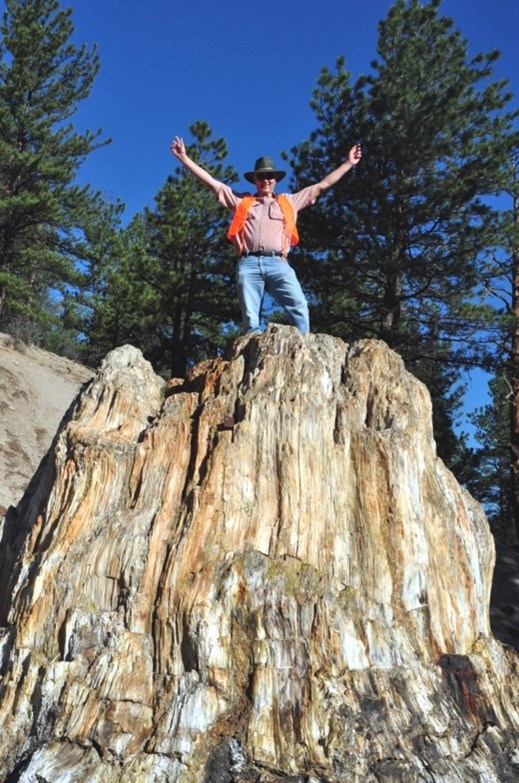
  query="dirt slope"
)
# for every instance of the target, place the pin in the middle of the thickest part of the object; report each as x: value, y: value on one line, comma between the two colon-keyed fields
x: 36, y: 389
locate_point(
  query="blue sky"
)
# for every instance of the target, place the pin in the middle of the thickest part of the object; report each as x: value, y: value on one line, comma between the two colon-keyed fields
x: 248, y: 69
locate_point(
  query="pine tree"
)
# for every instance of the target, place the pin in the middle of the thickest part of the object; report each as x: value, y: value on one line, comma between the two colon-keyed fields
x: 396, y: 247
x: 169, y: 289
x: 502, y: 414
x: 513, y: 343
x: 43, y: 213
x: 95, y: 310
x: 491, y: 481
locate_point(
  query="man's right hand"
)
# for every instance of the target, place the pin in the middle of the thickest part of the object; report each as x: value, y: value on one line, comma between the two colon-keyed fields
x: 178, y: 148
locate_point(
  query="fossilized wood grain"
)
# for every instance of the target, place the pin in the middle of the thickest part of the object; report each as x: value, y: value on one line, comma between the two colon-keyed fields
x: 298, y: 594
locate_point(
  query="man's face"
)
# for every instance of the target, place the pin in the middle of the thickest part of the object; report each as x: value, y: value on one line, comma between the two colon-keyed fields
x: 265, y: 184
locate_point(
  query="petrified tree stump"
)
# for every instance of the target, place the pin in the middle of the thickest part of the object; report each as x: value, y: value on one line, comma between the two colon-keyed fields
x: 261, y: 573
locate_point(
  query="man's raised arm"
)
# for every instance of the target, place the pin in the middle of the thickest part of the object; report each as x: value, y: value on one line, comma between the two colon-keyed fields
x: 354, y: 156
x: 178, y: 148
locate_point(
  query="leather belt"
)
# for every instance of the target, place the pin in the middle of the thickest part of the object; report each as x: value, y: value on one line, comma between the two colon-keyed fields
x: 261, y: 253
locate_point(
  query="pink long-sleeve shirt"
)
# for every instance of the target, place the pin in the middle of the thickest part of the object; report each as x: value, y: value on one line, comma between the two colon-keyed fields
x: 263, y: 229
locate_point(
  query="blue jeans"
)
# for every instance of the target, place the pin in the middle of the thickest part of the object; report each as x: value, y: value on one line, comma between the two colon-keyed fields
x: 257, y: 275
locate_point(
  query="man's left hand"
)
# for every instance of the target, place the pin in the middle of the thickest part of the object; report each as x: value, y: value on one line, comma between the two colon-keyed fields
x: 355, y: 154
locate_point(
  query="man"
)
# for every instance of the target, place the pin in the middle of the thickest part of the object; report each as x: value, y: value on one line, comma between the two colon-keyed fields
x: 263, y: 229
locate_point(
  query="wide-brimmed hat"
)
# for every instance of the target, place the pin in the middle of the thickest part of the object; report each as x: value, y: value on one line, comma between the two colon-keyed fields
x: 264, y: 166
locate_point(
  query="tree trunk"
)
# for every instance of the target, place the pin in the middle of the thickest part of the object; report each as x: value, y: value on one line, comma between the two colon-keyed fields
x: 391, y: 304
x: 300, y: 595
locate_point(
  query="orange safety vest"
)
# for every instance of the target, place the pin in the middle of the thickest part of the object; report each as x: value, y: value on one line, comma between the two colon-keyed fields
x: 289, y: 220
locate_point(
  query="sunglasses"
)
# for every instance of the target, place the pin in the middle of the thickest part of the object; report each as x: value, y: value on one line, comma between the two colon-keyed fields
x: 263, y: 176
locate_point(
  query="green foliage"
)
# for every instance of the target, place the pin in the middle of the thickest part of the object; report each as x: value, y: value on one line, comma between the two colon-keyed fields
x: 43, y: 213
x: 491, y: 481
x: 394, y: 251
x: 169, y: 288
x: 106, y: 248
